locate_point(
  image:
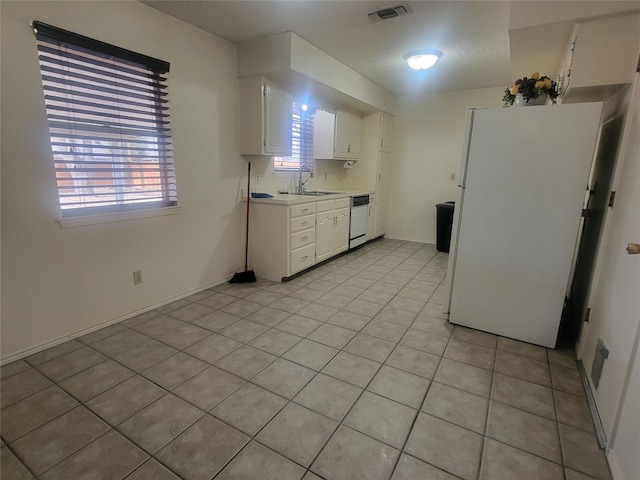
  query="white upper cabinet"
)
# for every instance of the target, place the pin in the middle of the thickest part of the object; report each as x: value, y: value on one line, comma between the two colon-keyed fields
x: 601, y: 55
x: 323, y: 134
x: 347, y: 135
x: 386, y: 132
x: 265, y: 118
x: 336, y: 135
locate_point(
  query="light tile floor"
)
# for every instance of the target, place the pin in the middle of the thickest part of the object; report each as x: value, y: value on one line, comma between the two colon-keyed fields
x: 349, y: 371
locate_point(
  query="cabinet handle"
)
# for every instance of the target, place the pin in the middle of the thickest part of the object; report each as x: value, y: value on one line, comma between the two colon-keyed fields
x: 305, y: 257
x: 304, y: 238
x: 382, y: 142
x: 304, y: 210
x: 304, y: 223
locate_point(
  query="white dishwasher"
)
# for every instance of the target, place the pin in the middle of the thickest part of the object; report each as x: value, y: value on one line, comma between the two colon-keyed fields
x: 359, y: 216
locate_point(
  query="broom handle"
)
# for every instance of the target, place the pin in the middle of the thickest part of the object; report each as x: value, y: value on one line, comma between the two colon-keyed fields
x: 246, y: 239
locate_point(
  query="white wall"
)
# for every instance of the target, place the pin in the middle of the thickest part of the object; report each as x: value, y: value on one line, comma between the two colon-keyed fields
x: 326, y: 174
x: 57, y: 282
x: 427, y: 143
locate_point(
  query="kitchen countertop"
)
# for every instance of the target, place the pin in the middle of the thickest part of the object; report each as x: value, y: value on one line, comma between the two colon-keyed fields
x: 294, y: 199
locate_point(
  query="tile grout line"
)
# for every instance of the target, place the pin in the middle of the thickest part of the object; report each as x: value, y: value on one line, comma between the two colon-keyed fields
x: 166, y: 391
x: 419, y: 410
x: 396, y: 344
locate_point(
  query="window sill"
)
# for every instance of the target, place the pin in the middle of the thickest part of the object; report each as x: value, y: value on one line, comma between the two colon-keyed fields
x: 88, y: 220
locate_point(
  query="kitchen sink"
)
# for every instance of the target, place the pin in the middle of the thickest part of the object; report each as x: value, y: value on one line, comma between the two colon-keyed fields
x: 316, y: 193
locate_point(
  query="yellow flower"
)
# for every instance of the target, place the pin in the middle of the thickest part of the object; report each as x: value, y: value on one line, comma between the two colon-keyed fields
x: 547, y: 83
x: 514, y: 90
x: 535, y: 75
x: 539, y: 85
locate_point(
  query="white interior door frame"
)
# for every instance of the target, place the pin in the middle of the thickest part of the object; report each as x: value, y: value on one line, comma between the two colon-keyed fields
x: 615, y: 305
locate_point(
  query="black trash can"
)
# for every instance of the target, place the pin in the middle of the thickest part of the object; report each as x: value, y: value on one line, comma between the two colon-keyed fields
x: 444, y: 223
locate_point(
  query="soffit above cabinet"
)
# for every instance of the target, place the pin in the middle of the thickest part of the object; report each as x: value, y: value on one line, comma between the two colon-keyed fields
x: 539, y: 32
x: 309, y: 72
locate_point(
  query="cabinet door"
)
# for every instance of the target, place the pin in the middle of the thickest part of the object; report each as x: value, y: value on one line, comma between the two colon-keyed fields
x: 386, y: 131
x: 347, y: 135
x: 324, y: 235
x: 354, y: 135
x: 371, y: 220
x: 341, y: 135
x: 595, y: 63
x: 382, y: 193
x: 277, y: 121
x: 341, y: 231
x: 324, y: 124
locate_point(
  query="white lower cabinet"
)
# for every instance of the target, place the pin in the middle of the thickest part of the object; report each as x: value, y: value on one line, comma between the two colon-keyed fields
x: 284, y: 240
x: 302, y: 258
x: 302, y: 237
x: 281, y: 239
x: 332, y: 228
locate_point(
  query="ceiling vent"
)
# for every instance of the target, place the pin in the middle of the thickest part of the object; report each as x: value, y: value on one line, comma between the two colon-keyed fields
x: 391, y: 12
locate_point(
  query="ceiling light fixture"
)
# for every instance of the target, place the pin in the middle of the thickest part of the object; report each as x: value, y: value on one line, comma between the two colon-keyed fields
x: 422, y: 59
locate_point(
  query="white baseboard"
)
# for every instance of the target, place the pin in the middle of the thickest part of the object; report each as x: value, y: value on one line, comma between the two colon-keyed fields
x: 614, y: 466
x: 83, y: 331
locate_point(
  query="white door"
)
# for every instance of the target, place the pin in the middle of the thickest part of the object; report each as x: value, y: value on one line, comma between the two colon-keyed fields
x: 615, y: 310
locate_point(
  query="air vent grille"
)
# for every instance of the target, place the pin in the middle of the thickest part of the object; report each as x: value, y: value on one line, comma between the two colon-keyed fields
x: 390, y: 12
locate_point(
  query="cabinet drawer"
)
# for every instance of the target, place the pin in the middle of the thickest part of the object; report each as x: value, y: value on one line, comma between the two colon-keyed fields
x: 301, y: 223
x: 302, y: 209
x: 343, y: 202
x: 326, y: 205
x: 301, y: 239
x: 303, y: 258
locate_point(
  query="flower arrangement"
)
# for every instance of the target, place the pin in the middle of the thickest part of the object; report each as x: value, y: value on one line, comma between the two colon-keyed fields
x: 531, y: 88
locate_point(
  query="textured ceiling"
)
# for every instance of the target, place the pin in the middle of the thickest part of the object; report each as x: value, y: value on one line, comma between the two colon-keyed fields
x: 472, y: 35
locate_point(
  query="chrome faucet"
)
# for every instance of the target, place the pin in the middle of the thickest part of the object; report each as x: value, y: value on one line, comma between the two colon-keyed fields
x: 304, y: 167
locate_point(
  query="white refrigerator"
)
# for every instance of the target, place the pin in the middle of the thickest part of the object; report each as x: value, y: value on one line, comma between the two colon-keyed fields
x: 522, y: 184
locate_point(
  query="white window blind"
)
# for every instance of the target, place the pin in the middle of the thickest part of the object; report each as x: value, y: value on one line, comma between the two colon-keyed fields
x: 109, y: 124
x: 301, y: 140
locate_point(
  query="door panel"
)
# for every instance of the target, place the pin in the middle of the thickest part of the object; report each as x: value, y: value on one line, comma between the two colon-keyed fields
x: 277, y: 122
x: 589, y: 239
x: 615, y: 307
x: 324, y: 236
x: 382, y: 193
x: 341, y: 232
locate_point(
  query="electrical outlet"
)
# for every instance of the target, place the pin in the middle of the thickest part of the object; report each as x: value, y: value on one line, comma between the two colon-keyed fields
x: 137, y: 277
x: 452, y: 177
x: 257, y: 178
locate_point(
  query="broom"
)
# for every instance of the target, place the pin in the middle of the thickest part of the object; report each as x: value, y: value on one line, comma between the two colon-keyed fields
x: 246, y: 274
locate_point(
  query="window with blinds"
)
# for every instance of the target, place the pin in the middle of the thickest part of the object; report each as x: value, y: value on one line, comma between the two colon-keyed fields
x: 109, y: 124
x: 301, y: 139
